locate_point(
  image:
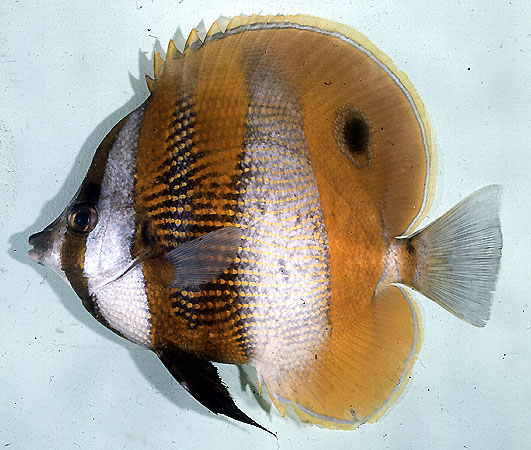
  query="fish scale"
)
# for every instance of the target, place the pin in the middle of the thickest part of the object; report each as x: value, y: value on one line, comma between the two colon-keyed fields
x: 289, y: 322
x: 271, y: 144
x: 176, y: 176
x: 192, y: 207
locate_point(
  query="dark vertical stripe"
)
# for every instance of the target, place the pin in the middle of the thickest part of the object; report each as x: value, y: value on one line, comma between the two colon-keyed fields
x: 74, y: 246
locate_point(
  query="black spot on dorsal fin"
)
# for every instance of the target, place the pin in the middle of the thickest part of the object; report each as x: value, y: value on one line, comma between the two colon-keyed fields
x: 353, y: 134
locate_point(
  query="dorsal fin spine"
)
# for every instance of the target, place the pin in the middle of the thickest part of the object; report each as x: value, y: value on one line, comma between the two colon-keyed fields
x: 158, y: 63
x: 214, y: 29
x: 172, y: 51
x: 192, y: 38
x: 150, y: 83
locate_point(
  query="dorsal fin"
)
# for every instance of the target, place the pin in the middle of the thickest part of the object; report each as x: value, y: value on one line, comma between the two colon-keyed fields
x: 159, y: 64
x: 223, y: 22
x: 240, y: 21
x: 403, y: 200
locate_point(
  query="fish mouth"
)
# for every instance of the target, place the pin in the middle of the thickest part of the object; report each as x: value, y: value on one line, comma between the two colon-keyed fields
x: 34, y: 256
x: 47, y: 246
x: 36, y: 253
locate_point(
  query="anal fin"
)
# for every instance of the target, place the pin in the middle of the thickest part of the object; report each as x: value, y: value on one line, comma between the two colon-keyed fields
x: 360, y: 371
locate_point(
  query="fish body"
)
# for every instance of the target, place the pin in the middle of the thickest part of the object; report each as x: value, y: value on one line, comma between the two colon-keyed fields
x: 258, y: 208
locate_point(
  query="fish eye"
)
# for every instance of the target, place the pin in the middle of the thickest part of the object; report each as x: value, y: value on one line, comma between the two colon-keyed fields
x: 82, y: 218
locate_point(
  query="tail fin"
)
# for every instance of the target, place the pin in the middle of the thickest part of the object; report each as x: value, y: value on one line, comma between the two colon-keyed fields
x: 459, y: 256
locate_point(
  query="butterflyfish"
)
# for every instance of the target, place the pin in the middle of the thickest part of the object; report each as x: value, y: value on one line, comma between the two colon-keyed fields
x: 261, y: 207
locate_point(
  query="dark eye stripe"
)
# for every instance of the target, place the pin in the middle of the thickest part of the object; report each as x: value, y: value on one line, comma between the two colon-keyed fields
x: 75, y: 245
x: 72, y: 262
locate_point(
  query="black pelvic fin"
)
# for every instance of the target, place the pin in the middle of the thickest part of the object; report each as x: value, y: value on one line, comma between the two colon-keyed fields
x: 201, y: 379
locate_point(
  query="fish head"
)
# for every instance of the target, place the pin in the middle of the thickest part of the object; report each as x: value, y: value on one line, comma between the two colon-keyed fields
x: 90, y: 244
x: 62, y: 245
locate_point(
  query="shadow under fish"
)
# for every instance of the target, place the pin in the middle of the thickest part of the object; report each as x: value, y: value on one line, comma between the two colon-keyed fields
x: 259, y: 208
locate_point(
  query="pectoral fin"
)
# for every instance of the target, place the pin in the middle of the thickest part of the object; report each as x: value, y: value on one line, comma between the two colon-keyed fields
x: 205, y: 258
x: 200, y: 378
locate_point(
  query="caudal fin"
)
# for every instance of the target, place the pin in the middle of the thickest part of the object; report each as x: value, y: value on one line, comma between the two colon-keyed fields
x: 459, y: 256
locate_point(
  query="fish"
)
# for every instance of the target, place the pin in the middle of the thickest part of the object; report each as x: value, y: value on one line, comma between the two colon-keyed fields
x: 263, y: 207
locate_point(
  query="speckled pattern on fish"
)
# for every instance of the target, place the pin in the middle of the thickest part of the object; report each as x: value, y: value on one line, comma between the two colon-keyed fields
x: 261, y: 207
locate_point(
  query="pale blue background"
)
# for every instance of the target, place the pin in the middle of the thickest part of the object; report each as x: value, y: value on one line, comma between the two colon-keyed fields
x: 67, y: 68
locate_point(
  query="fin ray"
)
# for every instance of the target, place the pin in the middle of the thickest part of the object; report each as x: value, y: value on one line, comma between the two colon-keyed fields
x: 203, y: 259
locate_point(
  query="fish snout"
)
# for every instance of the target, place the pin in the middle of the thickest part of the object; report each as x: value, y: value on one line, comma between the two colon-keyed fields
x: 41, y: 243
